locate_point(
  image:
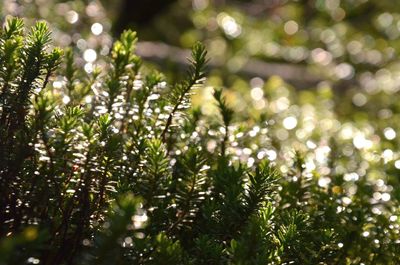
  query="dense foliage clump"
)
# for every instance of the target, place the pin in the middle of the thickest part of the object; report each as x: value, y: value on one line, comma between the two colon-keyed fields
x: 111, y: 165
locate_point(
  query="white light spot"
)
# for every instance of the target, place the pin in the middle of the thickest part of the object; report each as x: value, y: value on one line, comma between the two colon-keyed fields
x: 57, y: 84
x: 252, y: 133
x: 257, y: 93
x: 340, y: 245
x: 66, y: 99
x: 344, y: 71
x: 324, y: 182
x: 365, y: 234
x: 90, y: 55
x: 360, y: 142
x: 387, y: 155
x: 385, y: 197
x: 377, y: 195
x: 347, y: 131
x: 250, y: 162
x: 359, y: 99
x: 310, y: 165
x: 291, y: 27
x: 88, y: 99
x: 346, y: 200
x: 33, y: 260
x: 385, y: 19
x: 282, y: 134
x: 153, y: 96
x: 128, y: 240
x: 321, y: 56
x: 380, y: 183
x: 81, y: 44
x: 389, y: 133
x: 88, y: 68
x: 375, y: 210
x: 259, y: 104
x: 321, y: 153
x: 310, y: 144
x: 72, y: 17
x: 256, y: 82
x: 97, y: 28
x: 229, y: 24
x: 271, y: 154
x: 290, y: 123
x: 282, y: 103
x: 199, y: 4
x: 397, y: 164
x: 351, y: 176
x: 247, y: 151
x: 261, y: 155
x: 393, y: 218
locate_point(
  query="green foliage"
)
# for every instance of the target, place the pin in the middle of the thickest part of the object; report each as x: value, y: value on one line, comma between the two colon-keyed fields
x: 179, y: 95
x: 110, y: 167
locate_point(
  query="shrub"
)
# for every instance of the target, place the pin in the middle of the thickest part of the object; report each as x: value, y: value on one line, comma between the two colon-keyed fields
x: 111, y: 166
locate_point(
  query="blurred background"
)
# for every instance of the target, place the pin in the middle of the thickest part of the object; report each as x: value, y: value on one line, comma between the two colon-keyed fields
x: 318, y: 76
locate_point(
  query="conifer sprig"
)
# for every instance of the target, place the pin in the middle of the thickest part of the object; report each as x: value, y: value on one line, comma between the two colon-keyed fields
x: 180, y: 93
x: 227, y: 115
